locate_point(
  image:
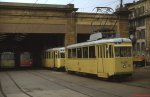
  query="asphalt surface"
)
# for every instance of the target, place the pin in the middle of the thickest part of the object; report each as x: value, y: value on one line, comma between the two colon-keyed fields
x: 46, y: 83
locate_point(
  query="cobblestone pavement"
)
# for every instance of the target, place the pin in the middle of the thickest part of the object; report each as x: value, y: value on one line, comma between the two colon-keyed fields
x: 141, y: 77
x: 46, y: 83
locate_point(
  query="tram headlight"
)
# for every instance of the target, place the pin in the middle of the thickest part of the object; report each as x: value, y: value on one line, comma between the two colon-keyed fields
x: 124, y: 66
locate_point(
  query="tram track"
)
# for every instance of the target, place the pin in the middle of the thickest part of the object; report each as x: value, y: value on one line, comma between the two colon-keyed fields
x: 127, y: 84
x: 1, y: 90
x: 19, y: 87
x: 120, y: 82
x: 35, y: 74
x: 45, y: 76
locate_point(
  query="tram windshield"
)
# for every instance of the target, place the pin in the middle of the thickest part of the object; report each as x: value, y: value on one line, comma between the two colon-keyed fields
x: 25, y: 56
x: 7, y: 56
x: 123, y: 52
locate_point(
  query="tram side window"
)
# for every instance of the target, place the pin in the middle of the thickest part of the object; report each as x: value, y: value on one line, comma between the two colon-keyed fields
x: 69, y: 53
x: 85, y: 52
x: 62, y: 55
x: 52, y: 54
x: 99, y: 51
x: 79, y: 52
x: 49, y: 54
x: 107, y: 51
x: 110, y: 51
x: 104, y: 51
x: 92, y: 52
x: 74, y: 55
x: 100, y: 48
x: 56, y: 54
x: 46, y: 55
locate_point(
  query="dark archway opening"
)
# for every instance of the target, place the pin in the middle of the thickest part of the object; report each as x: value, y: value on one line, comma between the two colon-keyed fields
x: 82, y: 37
x: 34, y: 43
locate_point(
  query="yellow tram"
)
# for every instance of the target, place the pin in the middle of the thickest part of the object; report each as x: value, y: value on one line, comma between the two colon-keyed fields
x: 7, y: 60
x: 104, y: 58
x: 54, y: 58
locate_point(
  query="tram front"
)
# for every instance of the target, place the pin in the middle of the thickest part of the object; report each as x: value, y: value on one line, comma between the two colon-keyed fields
x: 123, y: 59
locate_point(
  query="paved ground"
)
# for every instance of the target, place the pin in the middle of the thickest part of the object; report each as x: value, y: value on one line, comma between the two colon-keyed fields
x: 141, y: 77
x: 46, y: 83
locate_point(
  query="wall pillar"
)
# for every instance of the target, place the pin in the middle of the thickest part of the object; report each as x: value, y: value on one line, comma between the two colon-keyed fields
x: 71, y: 34
x: 123, y: 24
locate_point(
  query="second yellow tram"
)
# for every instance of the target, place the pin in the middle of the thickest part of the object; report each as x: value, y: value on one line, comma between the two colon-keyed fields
x: 54, y: 58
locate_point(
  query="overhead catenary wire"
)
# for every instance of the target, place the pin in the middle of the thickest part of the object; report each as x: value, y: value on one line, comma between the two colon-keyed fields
x: 71, y: 1
x: 105, y: 4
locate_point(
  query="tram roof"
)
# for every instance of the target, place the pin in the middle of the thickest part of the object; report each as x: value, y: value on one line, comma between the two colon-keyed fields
x: 59, y: 49
x: 7, y: 52
x: 114, y: 40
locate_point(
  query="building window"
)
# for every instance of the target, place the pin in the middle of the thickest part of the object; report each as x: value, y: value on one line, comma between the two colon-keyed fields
x: 141, y: 10
x: 138, y: 47
x: 134, y: 50
x: 140, y: 22
x: 138, y: 34
x: 132, y: 24
x: 143, y: 34
x: 137, y: 11
x: 143, y: 46
x: 133, y: 13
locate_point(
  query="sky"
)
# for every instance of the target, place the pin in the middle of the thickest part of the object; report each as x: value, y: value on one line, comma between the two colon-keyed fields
x: 83, y: 5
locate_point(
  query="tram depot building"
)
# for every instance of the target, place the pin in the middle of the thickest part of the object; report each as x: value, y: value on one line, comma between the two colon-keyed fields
x: 36, y: 27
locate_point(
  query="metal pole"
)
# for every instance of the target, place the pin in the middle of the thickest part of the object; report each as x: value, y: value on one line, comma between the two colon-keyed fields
x: 121, y: 3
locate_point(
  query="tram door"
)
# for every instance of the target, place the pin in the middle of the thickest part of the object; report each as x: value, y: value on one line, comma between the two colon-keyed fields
x: 55, y: 58
x: 100, y: 55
